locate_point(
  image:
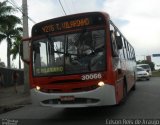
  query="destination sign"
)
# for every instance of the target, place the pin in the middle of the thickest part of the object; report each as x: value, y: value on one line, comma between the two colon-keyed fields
x: 67, y: 23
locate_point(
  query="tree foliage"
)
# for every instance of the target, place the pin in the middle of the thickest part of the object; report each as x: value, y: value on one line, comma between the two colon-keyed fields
x: 8, y: 27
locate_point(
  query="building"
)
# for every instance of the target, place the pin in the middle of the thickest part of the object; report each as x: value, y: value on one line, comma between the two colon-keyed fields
x: 148, y: 58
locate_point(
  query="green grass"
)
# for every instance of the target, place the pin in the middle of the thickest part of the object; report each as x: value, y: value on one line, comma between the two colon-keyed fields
x: 156, y: 73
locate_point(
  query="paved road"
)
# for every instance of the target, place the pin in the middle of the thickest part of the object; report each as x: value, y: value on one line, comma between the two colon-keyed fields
x: 142, y: 103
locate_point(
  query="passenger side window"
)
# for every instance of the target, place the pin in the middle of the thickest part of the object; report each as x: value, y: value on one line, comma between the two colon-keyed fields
x: 113, y: 44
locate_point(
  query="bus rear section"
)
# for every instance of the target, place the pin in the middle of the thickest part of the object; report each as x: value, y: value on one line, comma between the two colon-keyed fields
x: 72, y: 62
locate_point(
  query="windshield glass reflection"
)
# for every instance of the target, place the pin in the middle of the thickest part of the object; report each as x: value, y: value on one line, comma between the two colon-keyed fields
x: 69, y: 54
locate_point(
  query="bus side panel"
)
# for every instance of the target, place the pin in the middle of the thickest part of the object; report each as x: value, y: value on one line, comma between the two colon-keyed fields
x: 130, y: 74
x: 112, y: 75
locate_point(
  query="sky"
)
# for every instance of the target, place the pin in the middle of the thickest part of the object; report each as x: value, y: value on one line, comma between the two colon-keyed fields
x: 138, y: 20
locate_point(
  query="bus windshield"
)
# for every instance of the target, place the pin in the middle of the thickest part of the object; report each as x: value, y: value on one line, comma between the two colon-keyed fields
x: 72, y: 53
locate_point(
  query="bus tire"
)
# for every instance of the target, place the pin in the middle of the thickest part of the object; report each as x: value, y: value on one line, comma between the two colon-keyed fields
x: 124, y: 91
x: 134, y: 86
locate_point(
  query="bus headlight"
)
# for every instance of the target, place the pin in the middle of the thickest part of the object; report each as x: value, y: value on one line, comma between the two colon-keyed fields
x: 38, y: 88
x: 101, y: 83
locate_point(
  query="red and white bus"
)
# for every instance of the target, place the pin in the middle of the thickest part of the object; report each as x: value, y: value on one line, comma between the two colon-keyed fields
x: 80, y: 60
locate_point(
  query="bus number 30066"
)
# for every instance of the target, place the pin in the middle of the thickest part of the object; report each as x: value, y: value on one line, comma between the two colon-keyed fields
x: 91, y: 76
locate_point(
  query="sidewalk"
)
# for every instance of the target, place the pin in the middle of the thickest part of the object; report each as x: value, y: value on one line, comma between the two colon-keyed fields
x: 9, y: 99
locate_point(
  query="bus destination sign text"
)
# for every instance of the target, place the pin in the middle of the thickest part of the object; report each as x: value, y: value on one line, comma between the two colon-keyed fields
x: 66, y: 25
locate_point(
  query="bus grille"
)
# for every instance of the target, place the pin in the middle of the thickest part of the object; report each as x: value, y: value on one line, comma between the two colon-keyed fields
x: 76, y: 101
x: 82, y: 89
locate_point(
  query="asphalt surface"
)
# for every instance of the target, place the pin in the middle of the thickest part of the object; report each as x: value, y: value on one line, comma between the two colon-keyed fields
x: 11, y: 99
x: 143, y: 103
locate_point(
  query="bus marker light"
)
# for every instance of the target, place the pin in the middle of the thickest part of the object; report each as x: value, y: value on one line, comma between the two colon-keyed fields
x: 101, y: 83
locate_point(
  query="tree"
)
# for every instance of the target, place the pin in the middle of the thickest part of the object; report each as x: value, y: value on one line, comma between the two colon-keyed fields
x: 16, y: 48
x: 8, y: 27
x: 4, y: 12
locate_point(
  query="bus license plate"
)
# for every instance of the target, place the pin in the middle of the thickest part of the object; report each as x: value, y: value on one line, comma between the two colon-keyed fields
x: 67, y: 98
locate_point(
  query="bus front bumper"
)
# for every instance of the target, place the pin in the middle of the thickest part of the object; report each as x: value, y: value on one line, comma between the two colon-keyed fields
x: 100, y: 96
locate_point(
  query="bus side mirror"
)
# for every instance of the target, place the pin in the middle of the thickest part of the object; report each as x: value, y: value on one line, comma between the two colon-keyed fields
x: 119, y: 42
x: 25, y: 50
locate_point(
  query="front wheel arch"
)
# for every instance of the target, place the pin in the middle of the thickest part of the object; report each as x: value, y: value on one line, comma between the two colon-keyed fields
x: 124, y: 91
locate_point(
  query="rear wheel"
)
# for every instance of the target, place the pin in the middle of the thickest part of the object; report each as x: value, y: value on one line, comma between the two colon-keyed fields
x: 134, y: 86
x: 124, y: 92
